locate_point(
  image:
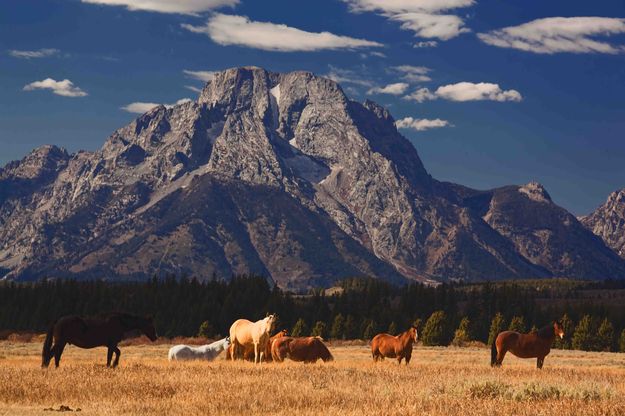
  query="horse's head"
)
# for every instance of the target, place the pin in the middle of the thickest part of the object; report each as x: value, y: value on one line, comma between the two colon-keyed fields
x: 271, y: 320
x: 226, y: 343
x: 558, y: 329
x: 413, y: 333
x: 148, y: 328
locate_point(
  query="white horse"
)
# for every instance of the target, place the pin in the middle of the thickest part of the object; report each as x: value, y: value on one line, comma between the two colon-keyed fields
x: 205, y: 352
x: 244, y: 332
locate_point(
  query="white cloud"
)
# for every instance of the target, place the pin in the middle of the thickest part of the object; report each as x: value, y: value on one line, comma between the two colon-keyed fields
x: 397, y: 88
x: 426, y: 44
x: 240, y: 30
x: 425, y: 18
x: 141, y: 107
x: 421, y: 124
x: 191, y: 7
x: 346, y: 76
x: 193, y: 88
x: 41, y: 53
x: 412, y: 73
x: 200, y: 75
x: 559, y: 34
x: 466, y: 91
x: 65, y: 88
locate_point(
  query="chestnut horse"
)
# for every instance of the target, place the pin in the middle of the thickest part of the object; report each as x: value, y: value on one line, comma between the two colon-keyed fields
x: 244, y: 333
x: 89, y: 332
x: 534, y: 345
x: 400, y: 346
x: 248, y: 353
x: 306, y: 349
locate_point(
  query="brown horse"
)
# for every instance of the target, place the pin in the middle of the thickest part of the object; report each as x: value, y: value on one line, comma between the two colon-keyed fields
x: 400, y: 346
x: 90, y: 332
x: 306, y: 349
x: 248, y: 353
x: 534, y: 345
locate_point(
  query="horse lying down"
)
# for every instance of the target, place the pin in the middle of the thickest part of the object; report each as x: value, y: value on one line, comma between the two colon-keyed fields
x: 306, y: 349
x: 205, y: 352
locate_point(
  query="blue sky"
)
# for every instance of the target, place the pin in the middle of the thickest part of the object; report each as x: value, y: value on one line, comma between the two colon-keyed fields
x: 490, y: 92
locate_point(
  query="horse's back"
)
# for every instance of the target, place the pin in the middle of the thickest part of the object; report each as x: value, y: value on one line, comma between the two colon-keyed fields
x: 240, y: 329
x: 179, y: 352
x: 384, y: 344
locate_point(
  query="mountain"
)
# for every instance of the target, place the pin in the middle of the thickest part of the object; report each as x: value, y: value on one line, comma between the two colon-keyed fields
x: 608, y: 221
x: 279, y: 174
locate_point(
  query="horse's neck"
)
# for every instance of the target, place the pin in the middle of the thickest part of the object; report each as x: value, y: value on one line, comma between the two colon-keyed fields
x: 405, y: 338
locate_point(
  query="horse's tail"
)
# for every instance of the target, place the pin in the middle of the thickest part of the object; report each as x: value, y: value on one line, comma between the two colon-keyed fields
x: 493, y: 353
x: 46, y: 352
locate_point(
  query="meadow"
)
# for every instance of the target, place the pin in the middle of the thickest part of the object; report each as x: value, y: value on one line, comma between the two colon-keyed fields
x: 438, y: 381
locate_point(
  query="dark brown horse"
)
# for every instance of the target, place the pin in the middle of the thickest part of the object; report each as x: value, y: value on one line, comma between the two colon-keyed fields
x: 534, y: 345
x: 89, y: 332
x: 400, y: 346
x: 306, y: 349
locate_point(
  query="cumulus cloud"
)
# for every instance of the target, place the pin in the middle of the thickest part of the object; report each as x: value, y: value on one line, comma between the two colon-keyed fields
x: 426, y: 44
x: 421, y: 124
x: 426, y: 18
x: 559, y: 34
x: 141, y: 107
x: 347, y: 76
x: 240, y: 30
x: 190, y: 7
x: 397, y: 88
x: 413, y: 73
x: 40, y: 53
x: 466, y: 91
x: 65, y: 88
x: 200, y: 75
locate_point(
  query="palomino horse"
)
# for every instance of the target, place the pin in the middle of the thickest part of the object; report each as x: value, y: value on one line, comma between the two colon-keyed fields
x: 306, y: 349
x: 535, y: 345
x: 400, y: 346
x: 248, y: 354
x: 205, y: 352
x: 106, y: 330
x: 244, y: 332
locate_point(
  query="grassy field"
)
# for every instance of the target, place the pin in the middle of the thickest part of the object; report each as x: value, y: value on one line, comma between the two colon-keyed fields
x: 439, y: 381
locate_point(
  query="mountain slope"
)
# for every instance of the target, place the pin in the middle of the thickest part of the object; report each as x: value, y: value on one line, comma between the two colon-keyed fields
x: 279, y: 174
x: 608, y: 221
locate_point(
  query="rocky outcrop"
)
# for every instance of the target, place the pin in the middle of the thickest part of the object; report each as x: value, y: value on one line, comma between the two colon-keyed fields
x: 608, y: 222
x: 279, y: 174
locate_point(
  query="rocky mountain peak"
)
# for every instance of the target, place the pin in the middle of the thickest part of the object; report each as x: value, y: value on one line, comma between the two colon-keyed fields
x: 535, y: 191
x: 608, y: 221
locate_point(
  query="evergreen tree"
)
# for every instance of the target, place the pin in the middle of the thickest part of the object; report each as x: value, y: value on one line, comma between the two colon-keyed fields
x: 534, y: 329
x: 462, y: 336
x: 517, y: 324
x: 605, y: 336
x: 370, y: 331
x: 392, y: 328
x: 206, y: 330
x: 434, y: 330
x: 300, y: 329
x: 350, y: 327
x: 583, y: 336
x: 496, y: 326
x: 417, y: 324
x: 338, y: 327
x: 621, y: 342
x: 569, y: 327
x: 319, y: 330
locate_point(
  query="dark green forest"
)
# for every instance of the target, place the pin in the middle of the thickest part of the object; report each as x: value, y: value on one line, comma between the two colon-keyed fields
x: 593, y: 312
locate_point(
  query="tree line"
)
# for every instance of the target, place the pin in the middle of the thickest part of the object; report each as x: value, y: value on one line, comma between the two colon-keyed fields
x: 447, y: 314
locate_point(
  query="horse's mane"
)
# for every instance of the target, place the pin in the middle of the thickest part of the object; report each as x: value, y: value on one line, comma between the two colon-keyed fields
x: 546, y: 332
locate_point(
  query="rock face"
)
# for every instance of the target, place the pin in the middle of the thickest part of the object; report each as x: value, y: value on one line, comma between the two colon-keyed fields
x: 279, y: 174
x: 608, y: 222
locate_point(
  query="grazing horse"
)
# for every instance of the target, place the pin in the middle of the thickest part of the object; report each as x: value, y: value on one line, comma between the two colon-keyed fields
x: 400, y: 346
x: 534, y: 345
x: 205, y: 352
x: 90, y: 332
x: 244, y: 333
x: 306, y: 349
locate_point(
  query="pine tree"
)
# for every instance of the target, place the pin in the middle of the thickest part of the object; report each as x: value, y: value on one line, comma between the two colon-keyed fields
x: 434, y: 330
x: 300, y: 329
x: 517, y: 324
x: 569, y: 327
x: 370, y: 331
x: 496, y: 326
x: 206, y: 330
x: 605, y: 336
x: 319, y: 330
x: 350, y: 328
x: 583, y: 336
x: 392, y: 328
x: 621, y: 342
x: 417, y: 324
x: 338, y: 327
x: 461, y: 336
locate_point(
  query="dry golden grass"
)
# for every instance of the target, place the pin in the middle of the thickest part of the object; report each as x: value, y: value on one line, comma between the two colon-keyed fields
x: 439, y: 381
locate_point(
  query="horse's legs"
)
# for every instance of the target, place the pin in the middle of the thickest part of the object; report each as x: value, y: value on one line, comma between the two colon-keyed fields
x: 399, y: 359
x: 58, y: 350
x: 407, y: 359
x: 117, y: 354
x: 500, y: 355
x: 109, y: 356
x: 255, y: 352
x: 539, y: 362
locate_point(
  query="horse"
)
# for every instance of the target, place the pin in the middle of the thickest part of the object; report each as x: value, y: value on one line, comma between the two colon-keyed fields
x: 248, y: 353
x: 534, y: 345
x: 306, y: 349
x: 400, y: 346
x: 244, y: 332
x: 205, y: 352
x: 90, y: 332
